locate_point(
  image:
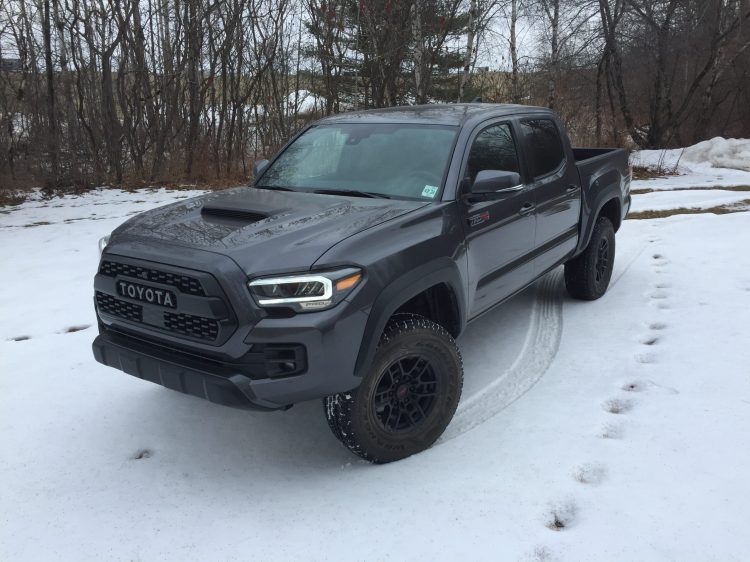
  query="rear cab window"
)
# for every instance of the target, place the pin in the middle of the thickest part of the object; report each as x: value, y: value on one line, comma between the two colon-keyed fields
x: 544, y: 147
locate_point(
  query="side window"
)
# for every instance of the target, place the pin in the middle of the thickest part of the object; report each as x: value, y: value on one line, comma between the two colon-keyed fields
x: 493, y: 149
x: 544, y: 146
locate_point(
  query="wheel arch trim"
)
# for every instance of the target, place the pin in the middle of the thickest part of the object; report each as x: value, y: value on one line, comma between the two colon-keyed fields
x: 399, y: 292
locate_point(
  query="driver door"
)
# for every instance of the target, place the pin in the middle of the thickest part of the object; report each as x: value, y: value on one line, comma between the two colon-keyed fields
x: 499, y: 227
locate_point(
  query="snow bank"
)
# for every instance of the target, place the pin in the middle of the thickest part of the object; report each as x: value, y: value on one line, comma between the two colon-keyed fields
x: 305, y: 102
x: 721, y: 153
x: 733, y: 154
x: 713, y: 163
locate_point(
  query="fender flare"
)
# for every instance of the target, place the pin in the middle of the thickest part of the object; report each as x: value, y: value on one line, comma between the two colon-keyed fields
x: 611, y: 193
x: 400, y: 291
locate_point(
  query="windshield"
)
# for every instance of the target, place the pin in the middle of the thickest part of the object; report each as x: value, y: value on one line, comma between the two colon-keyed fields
x: 394, y: 160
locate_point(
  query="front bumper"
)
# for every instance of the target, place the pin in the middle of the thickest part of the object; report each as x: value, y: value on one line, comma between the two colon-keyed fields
x: 198, y: 380
x: 330, y: 346
x: 236, y: 354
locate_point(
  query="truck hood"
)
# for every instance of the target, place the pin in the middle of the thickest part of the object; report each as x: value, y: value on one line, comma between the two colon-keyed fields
x: 261, y: 229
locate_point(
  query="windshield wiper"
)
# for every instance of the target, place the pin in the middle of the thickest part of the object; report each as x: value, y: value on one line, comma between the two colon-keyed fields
x: 352, y: 193
x: 274, y: 188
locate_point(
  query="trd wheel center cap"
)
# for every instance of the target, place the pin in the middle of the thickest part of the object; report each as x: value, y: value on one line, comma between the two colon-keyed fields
x: 402, y: 392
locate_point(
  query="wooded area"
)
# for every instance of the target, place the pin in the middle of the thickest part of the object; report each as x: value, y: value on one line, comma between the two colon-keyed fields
x: 126, y: 92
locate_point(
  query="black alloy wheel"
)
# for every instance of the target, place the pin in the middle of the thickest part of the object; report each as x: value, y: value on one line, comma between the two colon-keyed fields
x: 405, y: 394
x: 588, y: 274
x: 408, y: 396
x: 602, y: 260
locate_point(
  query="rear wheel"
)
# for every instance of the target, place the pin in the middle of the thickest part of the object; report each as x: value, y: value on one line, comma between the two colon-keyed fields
x: 587, y: 275
x: 408, y: 396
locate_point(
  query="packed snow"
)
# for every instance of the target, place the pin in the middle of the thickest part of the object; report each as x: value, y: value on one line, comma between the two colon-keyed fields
x: 692, y: 199
x: 606, y: 430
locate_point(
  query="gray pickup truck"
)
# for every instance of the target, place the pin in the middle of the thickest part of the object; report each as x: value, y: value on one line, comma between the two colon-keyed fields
x: 357, y: 256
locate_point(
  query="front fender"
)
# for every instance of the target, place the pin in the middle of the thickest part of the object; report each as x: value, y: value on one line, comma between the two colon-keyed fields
x: 400, y: 291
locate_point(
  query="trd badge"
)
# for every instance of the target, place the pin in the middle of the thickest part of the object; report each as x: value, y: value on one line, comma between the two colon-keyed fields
x: 479, y: 218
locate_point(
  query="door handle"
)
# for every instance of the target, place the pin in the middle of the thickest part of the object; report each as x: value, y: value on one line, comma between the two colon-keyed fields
x: 527, y: 208
x: 571, y: 188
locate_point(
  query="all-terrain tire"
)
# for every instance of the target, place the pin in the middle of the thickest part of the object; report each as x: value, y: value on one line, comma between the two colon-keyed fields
x: 416, y: 376
x: 587, y: 275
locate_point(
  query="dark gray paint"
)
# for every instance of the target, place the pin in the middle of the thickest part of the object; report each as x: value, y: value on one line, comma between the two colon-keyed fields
x: 403, y: 247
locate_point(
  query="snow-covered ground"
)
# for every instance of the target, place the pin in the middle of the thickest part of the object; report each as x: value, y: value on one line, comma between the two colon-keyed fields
x: 624, y: 422
x: 663, y: 200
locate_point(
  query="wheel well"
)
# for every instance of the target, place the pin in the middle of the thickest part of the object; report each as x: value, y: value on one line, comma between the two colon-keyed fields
x: 439, y: 304
x: 611, y: 210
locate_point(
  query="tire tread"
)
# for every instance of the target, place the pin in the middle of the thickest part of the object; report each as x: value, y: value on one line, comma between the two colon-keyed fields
x: 580, y: 271
x: 339, y: 408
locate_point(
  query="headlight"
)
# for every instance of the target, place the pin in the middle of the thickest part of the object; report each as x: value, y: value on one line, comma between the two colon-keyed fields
x: 103, y: 241
x: 306, y: 293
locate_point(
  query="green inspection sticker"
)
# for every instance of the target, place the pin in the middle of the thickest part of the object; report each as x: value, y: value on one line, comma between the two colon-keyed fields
x: 429, y: 191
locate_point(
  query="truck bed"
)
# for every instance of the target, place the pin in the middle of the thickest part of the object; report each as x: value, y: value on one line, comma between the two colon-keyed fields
x: 597, y: 166
x: 602, y: 172
x: 585, y: 153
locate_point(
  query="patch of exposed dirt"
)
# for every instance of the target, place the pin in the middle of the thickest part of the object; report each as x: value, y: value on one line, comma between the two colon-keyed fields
x: 694, y: 188
x: 738, y: 207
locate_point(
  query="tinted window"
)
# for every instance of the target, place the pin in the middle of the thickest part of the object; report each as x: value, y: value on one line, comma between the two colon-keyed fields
x: 544, y: 146
x: 493, y: 149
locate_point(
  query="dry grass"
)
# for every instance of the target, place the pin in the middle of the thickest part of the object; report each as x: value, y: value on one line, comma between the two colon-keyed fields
x: 696, y: 188
x: 738, y: 207
x: 650, y: 173
x: 11, y: 198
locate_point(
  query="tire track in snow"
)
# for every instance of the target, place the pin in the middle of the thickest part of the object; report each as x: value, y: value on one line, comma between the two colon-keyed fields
x: 537, y: 353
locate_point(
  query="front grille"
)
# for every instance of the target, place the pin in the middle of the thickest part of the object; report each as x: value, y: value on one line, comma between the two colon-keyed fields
x: 116, y: 307
x: 184, y: 283
x: 199, y: 310
x: 194, y: 326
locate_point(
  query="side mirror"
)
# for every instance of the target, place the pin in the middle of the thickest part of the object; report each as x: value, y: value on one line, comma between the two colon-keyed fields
x: 259, y: 166
x: 496, y: 181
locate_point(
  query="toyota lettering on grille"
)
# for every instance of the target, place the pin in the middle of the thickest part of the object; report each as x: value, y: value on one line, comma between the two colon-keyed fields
x: 150, y: 295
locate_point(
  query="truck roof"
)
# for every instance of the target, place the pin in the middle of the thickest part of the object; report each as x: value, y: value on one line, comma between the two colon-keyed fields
x: 434, y: 114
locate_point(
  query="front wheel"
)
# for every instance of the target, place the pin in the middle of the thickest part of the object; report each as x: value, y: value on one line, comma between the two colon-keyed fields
x: 408, y: 396
x: 587, y: 275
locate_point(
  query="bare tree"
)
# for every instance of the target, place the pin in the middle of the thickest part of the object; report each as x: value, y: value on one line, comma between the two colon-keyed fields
x: 96, y: 92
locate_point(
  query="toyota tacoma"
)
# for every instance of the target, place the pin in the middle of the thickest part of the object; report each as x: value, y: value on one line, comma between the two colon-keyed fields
x: 353, y: 261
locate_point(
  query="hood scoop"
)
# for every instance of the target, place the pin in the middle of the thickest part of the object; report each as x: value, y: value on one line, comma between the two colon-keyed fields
x: 231, y: 213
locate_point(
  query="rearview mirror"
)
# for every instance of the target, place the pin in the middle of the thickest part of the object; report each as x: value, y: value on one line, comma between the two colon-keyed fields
x: 496, y: 181
x: 259, y: 166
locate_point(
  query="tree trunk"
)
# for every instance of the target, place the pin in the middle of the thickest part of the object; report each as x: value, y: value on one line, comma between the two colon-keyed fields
x: 599, y: 109
x: 52, y: 143
x: 469, y: 55
x: 194, y: 50
x: 515, y: 89
x: 554, y: 62
x: 418, y: 54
